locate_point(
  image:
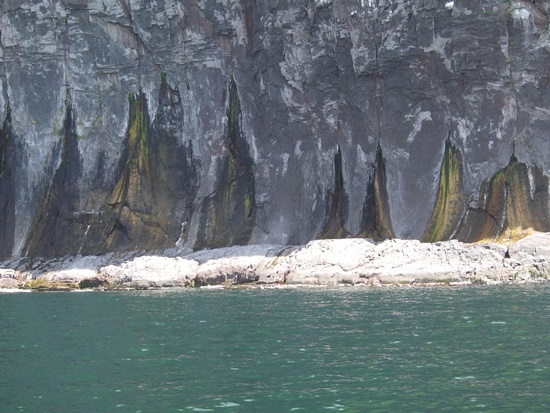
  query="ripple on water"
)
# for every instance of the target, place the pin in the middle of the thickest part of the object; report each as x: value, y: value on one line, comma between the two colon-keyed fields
x: 228, y: 404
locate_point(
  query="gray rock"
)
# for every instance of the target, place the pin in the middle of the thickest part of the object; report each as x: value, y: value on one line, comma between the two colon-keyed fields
x: 536, y: 245
x: 263, y: 119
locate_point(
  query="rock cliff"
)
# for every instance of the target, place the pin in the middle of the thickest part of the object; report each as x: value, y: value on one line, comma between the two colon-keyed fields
x: 129, y: 124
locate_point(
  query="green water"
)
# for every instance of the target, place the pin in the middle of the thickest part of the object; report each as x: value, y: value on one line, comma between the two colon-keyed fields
x: 476, y: 349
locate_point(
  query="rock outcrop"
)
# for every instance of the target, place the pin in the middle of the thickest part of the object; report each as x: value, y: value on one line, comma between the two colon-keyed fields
x: 352, y: 261
x: 141, y: 125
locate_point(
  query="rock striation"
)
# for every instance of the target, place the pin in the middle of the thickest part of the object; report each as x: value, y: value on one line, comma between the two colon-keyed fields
x: 351, y: 261
x: 143, y: 125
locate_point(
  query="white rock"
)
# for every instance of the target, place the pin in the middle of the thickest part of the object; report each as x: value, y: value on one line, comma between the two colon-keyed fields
x: 321, y: 262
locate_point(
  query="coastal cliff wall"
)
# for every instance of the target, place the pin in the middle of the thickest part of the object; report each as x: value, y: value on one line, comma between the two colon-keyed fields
x: 132, y: 124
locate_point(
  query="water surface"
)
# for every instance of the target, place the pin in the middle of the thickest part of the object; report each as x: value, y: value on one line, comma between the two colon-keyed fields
x: 475, y: 349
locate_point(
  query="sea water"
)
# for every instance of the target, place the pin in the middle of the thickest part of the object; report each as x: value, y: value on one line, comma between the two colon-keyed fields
x: 474, y: 349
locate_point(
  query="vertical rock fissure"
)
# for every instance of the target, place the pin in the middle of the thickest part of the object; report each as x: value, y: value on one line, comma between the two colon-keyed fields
x: 142, y: 45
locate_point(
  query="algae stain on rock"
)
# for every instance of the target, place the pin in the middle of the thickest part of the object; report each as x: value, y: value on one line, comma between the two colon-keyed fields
x: 451, y: 199
x: 134, y: 184
x: 158, y: 182
x: 131, y: 199
x: 227, y: 215
x: 512, y: 204
x: 376, y: 222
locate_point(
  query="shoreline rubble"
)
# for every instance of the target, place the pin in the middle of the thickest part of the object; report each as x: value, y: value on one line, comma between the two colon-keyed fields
x: 350, y: 261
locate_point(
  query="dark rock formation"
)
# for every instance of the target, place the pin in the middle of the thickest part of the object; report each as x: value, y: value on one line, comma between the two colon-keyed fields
x: 338, y: 204
x: 7, y: 187
x: 376, y: 221
x: 138, y: 125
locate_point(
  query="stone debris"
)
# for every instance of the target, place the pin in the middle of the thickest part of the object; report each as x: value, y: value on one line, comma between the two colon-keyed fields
x: 351, y: 261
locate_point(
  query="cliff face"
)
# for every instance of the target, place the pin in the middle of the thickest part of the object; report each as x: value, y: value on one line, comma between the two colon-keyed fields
x: 133, y: 124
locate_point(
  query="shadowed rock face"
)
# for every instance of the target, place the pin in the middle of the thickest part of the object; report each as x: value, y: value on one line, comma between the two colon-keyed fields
x: 209, y: 124
x: 55, y: 228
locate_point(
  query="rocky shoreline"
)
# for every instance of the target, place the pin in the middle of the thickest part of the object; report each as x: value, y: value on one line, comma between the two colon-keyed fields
x: 351, y: 261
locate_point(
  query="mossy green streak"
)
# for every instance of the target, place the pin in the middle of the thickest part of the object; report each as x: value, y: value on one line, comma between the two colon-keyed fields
x: 450, y: 197
x: 137, y: 165
x: 151, y: 197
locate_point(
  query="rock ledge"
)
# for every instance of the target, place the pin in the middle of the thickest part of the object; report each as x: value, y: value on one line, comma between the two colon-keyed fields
x: 349, y: 261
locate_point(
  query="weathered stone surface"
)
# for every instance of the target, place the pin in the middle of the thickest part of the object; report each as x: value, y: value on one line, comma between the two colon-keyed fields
x: 9, y: 278
x: 321, y: 262
x: 354, y: 261
x: 236, y: 265
x: 268, y: 122
x: 151, y: 271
